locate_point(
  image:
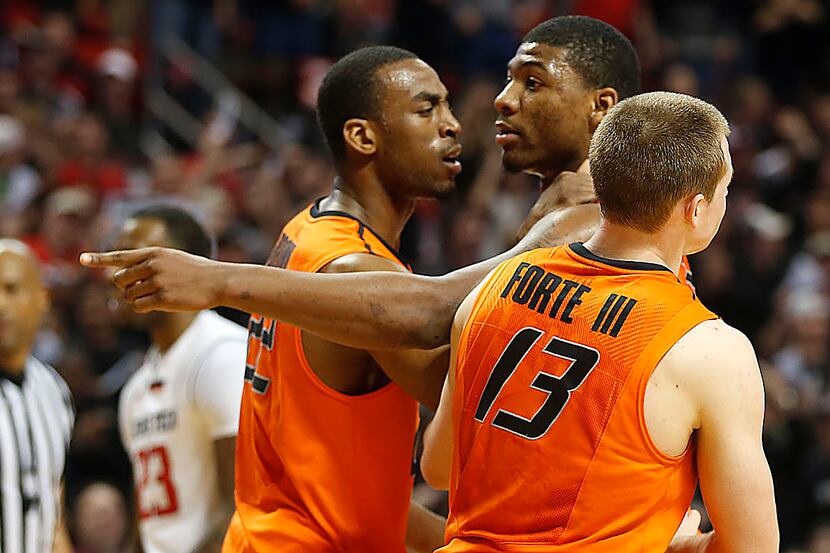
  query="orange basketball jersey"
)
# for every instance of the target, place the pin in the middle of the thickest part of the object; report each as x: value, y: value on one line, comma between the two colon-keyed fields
x: 551, y: 448
x: 317, y: 470
x: 684, y: 275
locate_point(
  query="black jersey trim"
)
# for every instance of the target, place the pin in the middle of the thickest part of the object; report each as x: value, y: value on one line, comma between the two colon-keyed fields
x: 316, y: 212
x: 579, y: 249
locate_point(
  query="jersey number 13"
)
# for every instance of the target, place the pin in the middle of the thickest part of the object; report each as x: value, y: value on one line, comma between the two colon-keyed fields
x: 583, y: 360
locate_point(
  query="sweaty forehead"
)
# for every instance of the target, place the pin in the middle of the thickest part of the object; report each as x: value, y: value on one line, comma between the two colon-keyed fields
x: 410, y: 77
x: 547, y: 58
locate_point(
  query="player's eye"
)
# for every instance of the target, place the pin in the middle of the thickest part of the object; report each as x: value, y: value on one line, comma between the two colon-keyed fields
x: 532, y: 83
x: 426, y: 111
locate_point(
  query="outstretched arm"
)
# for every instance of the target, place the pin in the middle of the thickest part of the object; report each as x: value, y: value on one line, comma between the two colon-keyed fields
x: 353, y: 310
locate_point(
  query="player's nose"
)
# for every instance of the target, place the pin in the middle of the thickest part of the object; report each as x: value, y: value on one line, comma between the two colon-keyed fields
x: 506, y: 103
x: 451, y: 126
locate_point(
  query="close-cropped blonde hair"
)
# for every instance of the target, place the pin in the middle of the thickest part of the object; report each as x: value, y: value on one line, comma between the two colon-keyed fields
x: 652, y: 150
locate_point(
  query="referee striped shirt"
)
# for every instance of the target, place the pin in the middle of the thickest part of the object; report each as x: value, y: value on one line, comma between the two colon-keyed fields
x: 36, y: 418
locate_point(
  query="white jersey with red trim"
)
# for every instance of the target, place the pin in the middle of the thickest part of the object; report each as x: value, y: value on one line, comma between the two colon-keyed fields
x: 170, y: 413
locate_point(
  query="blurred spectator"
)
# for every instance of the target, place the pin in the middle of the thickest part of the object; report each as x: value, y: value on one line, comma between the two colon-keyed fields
x: 9, y: 89
x: 19, y: 182
x: 790, y: 32
x: 820, y: 538
x: 814, y: 498
x: 63, y: 234
x: 809, y: 271
x: 100, y: 522
x: 89, y: 162
x: 117, y: 72
x: 804, y: 359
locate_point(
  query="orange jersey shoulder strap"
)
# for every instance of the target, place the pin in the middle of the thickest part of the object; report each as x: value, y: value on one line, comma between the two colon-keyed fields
x: 326, y: 236
x: 685, y: 274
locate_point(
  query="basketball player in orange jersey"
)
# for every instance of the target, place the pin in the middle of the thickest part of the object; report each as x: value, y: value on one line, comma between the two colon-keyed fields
x: 325, y: 440
x: 589, y: 389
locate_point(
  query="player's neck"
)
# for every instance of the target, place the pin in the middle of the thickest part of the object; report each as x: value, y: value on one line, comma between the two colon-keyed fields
x: 548, y: 175
x: 371, y: 203
x: 169, y: 326
x: 625, y: 243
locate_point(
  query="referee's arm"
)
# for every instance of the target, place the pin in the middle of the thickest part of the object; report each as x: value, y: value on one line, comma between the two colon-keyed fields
x: 61, y: 543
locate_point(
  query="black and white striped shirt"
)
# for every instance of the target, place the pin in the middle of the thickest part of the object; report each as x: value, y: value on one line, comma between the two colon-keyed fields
x: 36, y: 418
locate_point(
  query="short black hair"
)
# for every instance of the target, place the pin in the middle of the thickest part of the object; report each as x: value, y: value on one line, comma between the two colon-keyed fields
x: 598, y: 52
x: 350, y: 90
x: 185, y: 232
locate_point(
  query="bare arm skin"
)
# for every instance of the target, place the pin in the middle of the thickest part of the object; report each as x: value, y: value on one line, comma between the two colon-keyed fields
x: 61, y: 543
x: 436, y: 461
x: 424, y: 529
x: 349, y: 309
x: 224, y: 450
x: 420, y: 373
x: 718, y: 367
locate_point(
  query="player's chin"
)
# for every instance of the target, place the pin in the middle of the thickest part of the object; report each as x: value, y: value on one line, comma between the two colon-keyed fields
x: 513, y: 161
x: 442, y: 188
x: 439, y: 185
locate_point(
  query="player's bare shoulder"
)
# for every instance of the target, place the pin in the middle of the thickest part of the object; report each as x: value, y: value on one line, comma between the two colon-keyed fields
x: 713, y: 363
x: 362, y: 263
x: 714, y: 353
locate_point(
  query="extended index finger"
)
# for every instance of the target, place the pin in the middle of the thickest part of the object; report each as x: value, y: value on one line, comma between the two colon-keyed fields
x: 119, y: 258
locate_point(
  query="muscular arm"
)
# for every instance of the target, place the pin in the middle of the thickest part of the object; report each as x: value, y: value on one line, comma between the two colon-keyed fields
x: 224, y: 450
x: 419, y: 372
x: 734, y: 476
x: 354, y: 310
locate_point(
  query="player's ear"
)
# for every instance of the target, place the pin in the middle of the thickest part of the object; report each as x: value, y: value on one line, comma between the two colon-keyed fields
x: 359, y: 136
x: 603, y: 100
x: 694, y: 209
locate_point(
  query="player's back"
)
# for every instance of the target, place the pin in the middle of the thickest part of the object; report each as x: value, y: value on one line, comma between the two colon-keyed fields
x: 551, y: 443
x: 318, y: 470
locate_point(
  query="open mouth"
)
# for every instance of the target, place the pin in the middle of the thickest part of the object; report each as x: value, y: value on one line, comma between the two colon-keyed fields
x: 451, y: 160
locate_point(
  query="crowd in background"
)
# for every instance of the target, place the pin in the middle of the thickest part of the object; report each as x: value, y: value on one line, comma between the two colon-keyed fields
x: 80, y: 146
